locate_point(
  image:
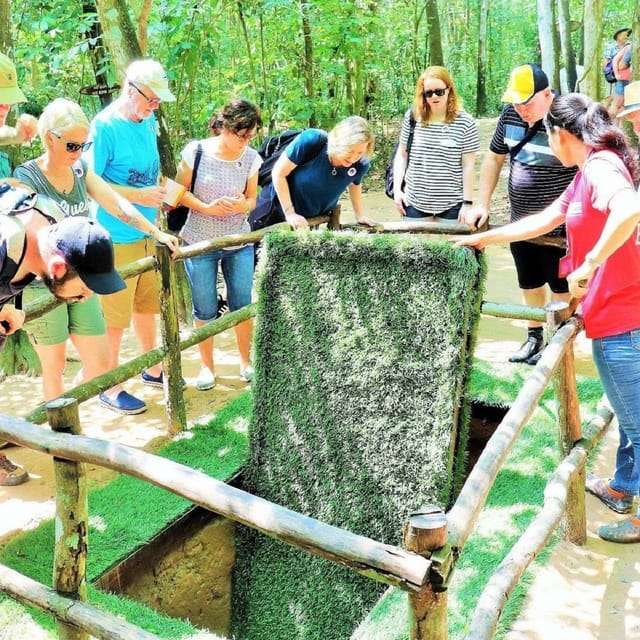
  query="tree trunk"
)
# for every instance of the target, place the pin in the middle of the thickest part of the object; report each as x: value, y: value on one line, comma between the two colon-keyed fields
x: 6, y: 43
x: 436, y: 57
x: 481, y: 81
x: 122, y: 42
x: 593, y: 29
x: 308, y: 58
x: 568, y: 56
x: 98, y: 56
x: 545, y: 33
x: 247, y: 42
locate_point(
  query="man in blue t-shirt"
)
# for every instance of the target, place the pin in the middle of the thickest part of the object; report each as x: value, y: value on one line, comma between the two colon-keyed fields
x: 125, y: 154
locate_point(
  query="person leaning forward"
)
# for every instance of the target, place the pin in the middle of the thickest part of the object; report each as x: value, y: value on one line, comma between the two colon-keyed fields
x: 72, y: 256
x: 536, y: 179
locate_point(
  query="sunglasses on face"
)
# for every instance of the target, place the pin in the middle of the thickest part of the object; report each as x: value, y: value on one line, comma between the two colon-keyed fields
x: 74, y: 147
x: 151, y: 101
x: 429, y: 93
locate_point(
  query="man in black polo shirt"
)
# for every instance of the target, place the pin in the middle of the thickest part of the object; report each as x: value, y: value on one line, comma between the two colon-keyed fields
x: 536, y: 179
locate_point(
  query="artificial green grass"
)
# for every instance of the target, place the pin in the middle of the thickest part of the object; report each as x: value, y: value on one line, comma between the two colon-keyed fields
x: 127, y: 513
x: 514, y: 501
x: 362, y: 357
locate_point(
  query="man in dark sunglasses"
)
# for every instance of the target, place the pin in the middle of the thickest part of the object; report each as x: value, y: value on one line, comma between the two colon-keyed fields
x: 125, y: 154
x: 536, y: 179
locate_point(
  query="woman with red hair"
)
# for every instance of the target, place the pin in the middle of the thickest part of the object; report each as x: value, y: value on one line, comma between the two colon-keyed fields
x: 434, y: 169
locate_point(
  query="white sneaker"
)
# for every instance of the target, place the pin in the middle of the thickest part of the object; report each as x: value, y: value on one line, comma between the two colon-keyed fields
x: 246, y: 373
x: 206, y: 379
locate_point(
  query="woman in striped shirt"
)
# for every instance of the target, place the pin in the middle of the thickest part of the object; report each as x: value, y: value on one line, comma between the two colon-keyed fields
x: 439, y: 166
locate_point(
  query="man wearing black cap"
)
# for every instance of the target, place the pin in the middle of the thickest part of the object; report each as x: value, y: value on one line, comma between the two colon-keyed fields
x: 536, y: 179
x: 73, y: 257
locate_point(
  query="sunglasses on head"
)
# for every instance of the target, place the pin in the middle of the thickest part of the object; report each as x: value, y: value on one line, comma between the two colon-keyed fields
x: 429, y: 93
x: 73, y: 147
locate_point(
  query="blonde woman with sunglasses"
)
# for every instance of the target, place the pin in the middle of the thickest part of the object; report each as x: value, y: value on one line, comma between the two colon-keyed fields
x: 434, y: 177
x: 63, y: 175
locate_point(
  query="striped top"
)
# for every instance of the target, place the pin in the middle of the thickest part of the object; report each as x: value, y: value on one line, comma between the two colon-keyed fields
x: 536, y: 176
x: 434, y: 174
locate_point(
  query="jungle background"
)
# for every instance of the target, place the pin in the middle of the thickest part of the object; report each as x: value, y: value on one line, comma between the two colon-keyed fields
x: 305, y: 63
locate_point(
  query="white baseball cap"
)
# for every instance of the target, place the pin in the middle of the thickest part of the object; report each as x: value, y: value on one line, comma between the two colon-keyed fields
x: 151, y: 74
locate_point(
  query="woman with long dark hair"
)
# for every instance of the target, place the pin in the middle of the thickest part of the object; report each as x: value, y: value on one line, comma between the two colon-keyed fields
x: 601, y: 210
x: 439, y: 168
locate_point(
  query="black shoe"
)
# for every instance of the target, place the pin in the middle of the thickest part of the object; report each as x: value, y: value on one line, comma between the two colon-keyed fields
x: 533, y: 360
x: 532, y: 346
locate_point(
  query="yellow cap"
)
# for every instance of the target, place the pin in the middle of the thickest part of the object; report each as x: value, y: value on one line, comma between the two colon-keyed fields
x: 525, y: 81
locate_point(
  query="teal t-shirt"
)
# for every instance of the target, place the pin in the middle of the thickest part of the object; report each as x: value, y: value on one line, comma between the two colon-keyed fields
x: 125, y: 153
x: 5, y: 165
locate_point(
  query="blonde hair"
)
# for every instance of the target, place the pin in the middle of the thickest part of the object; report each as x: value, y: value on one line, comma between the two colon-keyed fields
x: 421, y: 109
x: 348, y: 133
x: 59, y: 115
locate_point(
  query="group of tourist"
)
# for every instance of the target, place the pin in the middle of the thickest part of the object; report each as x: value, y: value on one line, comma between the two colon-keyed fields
x: 571, y: 171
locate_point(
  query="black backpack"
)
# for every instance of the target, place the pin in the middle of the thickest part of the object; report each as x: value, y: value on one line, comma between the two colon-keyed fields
x: 388, y: 174
x: 270, y: 150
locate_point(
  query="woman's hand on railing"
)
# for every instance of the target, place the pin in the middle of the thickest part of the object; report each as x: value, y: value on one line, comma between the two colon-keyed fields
x: 170, y: 240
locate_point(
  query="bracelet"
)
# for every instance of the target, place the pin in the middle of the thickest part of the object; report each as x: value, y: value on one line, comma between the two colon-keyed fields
x: 467, y: 202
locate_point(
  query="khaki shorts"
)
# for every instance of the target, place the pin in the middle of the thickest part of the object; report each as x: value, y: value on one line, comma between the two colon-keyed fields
x: 141, y: 294
x: 77, y: 318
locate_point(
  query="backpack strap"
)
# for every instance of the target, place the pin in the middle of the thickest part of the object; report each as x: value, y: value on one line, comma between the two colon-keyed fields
x: 412, y: 129
x: 528, y: 136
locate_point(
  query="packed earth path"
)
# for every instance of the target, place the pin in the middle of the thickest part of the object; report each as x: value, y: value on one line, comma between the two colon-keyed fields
x: 580, y: 593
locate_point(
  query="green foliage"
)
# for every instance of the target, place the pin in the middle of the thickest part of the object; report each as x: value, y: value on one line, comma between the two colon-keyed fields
x: 362, y: 351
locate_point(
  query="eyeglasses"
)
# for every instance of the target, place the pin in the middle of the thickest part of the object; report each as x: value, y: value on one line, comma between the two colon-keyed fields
x: 73, y: 147
x: 244, y: 136
x: 151, y: 101
x: 429, y: 93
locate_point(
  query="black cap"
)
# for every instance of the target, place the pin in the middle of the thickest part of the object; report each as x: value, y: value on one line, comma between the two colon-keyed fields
x: 87, y: 247
x: 619, y: 31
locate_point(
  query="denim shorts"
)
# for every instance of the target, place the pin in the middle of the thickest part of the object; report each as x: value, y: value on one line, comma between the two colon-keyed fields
x: 202, y: 274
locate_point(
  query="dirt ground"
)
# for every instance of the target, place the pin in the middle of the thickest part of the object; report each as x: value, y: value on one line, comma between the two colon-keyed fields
x: 582, y: 593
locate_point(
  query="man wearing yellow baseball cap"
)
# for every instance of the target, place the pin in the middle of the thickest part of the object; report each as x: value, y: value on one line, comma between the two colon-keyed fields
x: 536, y: 179
x: 26, y: 125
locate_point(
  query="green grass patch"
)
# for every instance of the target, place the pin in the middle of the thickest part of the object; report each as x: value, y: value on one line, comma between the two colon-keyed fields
x: 127, y: 513
x: 512, y: 504
x: 362, y: 359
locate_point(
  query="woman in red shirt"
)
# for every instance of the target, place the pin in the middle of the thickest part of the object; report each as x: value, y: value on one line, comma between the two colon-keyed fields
x: 601, y: 210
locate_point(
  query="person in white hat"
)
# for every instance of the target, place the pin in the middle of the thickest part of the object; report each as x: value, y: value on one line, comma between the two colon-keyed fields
x: 25, y: 127
x: 125, y: 154
x: 631, y: 105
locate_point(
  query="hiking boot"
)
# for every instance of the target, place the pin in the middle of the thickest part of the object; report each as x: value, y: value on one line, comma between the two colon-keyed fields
x: 615, y: 500
x: 625, y: 531
x: 11, y: 474
x: 531, y: 347
x: 534, y: 359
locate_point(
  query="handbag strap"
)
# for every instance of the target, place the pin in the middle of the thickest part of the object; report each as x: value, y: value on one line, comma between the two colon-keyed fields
x: 513, y: 152
x: 196, y: 164
x: 412, y: 129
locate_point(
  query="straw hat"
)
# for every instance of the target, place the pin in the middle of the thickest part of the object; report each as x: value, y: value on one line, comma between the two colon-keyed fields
x: 631, y: 98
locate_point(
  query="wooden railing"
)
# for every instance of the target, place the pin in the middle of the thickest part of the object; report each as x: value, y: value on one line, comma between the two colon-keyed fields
x: 433, y: 543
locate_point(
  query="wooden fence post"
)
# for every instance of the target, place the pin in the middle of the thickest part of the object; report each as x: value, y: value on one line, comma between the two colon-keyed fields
x: 172, y: 363
x: 424, y: 532
x: 72, y: 516
x: 566, y: 389
x: 334, y: 218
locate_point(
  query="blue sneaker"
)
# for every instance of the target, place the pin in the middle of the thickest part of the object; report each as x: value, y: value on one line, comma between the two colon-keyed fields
x: 156, y: 381
x: 123, y: 403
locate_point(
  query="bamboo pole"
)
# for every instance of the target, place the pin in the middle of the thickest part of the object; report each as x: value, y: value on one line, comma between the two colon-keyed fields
x: 574, y: 527
x: 82, y: 616
x: 515, y: 311
x: 424, y: 532
x: 172, y: 362
x: 128, y: 369
x: 72, y: 517
x: 473, y: 496
x: 386, y: 563
x: 556, y: 494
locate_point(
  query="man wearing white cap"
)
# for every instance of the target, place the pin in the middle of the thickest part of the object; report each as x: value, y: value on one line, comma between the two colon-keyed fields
x: 10, y: 94
x: 125, y: 154
x: 536, y: 179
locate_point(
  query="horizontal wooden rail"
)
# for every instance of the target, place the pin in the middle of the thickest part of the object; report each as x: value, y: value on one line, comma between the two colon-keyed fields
x: 125, y: 371
x: 381, y: 562
x: 72, y: 612
x: 497, y: 591
x: 472, y: 498
x: 513, y: 311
